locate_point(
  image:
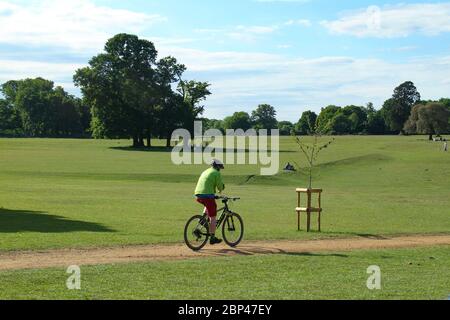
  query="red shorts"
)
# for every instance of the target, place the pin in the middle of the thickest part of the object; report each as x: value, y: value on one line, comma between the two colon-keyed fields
x: 210, y: 205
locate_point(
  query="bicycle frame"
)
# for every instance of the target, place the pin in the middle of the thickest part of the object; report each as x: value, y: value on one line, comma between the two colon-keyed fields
x: 225, y: 212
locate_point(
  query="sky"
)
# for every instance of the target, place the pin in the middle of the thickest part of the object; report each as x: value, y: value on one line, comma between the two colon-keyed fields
x: 296, y: 55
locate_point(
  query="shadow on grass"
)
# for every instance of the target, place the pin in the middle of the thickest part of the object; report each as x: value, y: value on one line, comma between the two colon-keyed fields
x: 355, y: 234
x: 142, y: 149
x: 13, y: 221
x: 252, y: 251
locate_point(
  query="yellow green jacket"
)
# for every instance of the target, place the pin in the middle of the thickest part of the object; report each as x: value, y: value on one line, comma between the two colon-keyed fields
x: 209, y: 183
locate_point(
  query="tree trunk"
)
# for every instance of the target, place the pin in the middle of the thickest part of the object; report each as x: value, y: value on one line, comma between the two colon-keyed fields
x: 135, y: 141
x: 430, y: 137
x: 141, y: 141
x: 149, y: 141
x: 168, y: 141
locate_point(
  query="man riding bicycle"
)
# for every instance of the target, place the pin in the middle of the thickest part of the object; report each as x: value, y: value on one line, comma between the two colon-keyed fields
x: 210, y: 181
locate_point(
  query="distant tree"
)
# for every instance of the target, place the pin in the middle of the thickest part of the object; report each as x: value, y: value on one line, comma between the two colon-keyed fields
x: 358, y: 118
x: 67, y: 119
x: 239, y: 120
x: 286, y: 128
x: 307, y: 123
x: 193, y: 93
x: 38, y: 109
x: 445, y: 102
x: 375, y: 123
x: 85, y: 116
x: 264, y: 117
x: 397, y: 110
x: 171, y: 110
x: 431, y: 118
x: 325, y: 117
x: 212, y: 124
x: 406, y: 94
x: 339, y: 125
x: 10, y: 123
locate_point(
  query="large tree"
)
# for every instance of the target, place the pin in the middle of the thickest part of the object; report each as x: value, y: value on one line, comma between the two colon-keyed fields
x: 431, y: 118
x: 397, y: 110
x: 121, y: 87
x: 264, y: 117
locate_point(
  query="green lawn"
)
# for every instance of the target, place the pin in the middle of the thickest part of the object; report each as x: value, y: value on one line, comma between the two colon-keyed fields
x: 83, y: 193
x: 405, y: 274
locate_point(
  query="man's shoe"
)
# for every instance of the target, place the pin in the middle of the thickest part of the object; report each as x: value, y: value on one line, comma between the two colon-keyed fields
x: 214, y: 241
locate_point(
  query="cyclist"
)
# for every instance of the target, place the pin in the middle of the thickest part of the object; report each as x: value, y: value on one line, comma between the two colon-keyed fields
x: 210, y: 181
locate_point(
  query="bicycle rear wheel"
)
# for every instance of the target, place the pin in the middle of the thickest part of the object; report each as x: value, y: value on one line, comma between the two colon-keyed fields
x: 196, y: 232
x: 233, y: 230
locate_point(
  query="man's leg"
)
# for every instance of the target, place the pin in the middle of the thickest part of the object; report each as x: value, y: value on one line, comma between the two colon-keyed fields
x: 212, y: 225
x: 212, y: 213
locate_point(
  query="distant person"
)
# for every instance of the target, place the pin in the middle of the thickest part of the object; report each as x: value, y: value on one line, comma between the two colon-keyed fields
x: 289, y: 167
x: 211, y: 181
x: 446, y: 146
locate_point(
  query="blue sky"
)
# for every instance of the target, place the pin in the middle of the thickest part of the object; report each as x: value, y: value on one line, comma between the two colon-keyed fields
x: 293, y: 54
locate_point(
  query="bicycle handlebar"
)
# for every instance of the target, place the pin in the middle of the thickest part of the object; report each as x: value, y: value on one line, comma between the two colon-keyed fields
x: 225, y: 198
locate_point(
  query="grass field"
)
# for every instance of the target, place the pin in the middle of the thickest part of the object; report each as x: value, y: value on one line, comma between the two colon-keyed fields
x: 84, y: 193
x: 87, y: 193
x: 406, y: 274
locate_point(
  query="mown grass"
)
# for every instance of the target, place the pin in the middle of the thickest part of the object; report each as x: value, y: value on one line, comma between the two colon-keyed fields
x: 87, y: 193
x: 405, y: 274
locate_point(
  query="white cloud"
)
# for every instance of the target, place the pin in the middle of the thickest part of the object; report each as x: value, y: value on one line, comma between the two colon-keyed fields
x: 301, y: 22
x: 75, y: 24
x: 394, y: 21
x: 270, y: 1
x: 251, y: 33
x: 242, y: 80
x: 60, y: 73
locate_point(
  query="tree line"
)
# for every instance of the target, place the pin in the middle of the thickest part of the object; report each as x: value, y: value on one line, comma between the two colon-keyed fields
x: 128, y: 93
x: 403, y: 113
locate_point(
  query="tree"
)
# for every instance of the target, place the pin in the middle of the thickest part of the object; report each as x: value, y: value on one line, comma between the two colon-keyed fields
x: 239, y: 120
x: 325, y: 117
x: 10, y: 123
x: 193, y: 93
x: 431, y: 118
x: 397, y: 110
x: 375, y: 123
x: 286, y: 128
x: 358, y: 118
x: 307, y: 123
x: 212, y: 124
x: 445, y: 102
x: 264, y: 117
x: 42, y: 109
x: 170, y: 110
x: 340, y: 124
x: 120, y: 85
x: 406, y: 94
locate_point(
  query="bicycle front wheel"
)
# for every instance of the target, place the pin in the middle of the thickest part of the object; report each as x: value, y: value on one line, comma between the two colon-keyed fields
x: 233, y: 230
x: 196, y: 232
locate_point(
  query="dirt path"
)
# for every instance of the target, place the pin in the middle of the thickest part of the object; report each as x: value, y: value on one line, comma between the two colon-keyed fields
x: 65, y: 258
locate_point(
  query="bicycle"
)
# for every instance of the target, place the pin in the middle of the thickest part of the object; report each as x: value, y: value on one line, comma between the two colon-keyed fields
x: 232, y: 225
